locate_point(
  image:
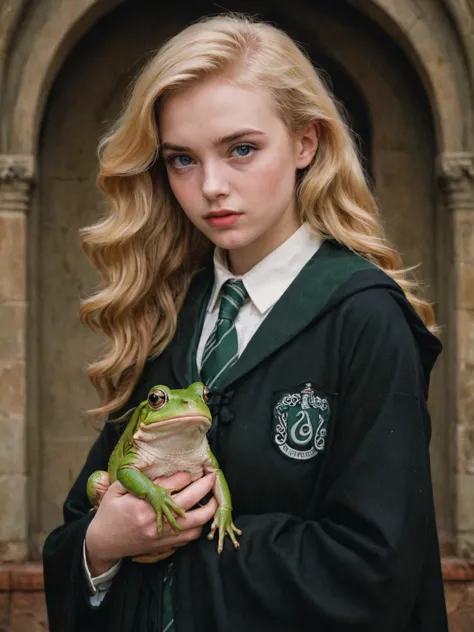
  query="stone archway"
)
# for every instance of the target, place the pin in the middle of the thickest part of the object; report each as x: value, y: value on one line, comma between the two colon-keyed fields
x: 409, y: 24
x: 347, y: 40
x: 27, y: 81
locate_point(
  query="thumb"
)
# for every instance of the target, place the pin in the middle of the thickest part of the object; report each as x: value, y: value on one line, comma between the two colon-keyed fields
x: 117, y: 489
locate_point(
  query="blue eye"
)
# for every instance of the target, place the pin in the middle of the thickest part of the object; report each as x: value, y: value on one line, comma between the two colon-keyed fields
x: 181, y: 161
x: 180, y: 164
x: 246, y: 150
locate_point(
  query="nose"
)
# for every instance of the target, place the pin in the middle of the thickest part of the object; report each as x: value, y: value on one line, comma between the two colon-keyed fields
x: 214, y: 183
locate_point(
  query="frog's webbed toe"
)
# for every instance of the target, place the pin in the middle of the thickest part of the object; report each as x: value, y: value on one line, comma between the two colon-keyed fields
x: 231, y: 531
x: 223, y: 521
x: 163, y: 504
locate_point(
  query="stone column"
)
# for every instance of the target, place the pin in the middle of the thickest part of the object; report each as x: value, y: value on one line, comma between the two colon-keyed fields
x: 16, y: 178
x: 456, y: 171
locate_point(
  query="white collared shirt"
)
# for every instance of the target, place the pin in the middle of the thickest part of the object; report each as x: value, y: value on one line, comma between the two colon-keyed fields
x: 265, y: 283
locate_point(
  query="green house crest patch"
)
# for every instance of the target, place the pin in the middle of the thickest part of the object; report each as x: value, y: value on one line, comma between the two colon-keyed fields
x: 300, y: 423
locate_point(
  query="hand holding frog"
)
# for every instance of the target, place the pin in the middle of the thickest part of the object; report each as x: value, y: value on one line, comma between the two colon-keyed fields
x: 125, y: 526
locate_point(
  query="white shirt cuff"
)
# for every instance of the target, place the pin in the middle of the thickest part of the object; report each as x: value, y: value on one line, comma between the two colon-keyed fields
x: 101, y: 583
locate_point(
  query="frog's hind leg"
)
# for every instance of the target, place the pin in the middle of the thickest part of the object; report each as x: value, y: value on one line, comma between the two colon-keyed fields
x: 223, y: 516
x: 97, y: 484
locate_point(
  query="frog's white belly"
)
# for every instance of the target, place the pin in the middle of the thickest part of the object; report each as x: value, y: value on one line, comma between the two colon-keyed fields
x: 176, y: 447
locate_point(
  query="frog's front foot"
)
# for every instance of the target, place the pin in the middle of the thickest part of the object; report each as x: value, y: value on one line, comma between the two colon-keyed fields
x: 97, y: 485
x: 223, y: 522
x: 162, y: 503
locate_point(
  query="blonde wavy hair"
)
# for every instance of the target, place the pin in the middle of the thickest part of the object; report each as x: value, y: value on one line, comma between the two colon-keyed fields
x: 145, y: 248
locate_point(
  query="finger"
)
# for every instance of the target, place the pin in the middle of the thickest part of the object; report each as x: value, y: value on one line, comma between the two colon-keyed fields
x: 151, y: 558
x: 164, y: 554
x: 177, y: 481
x: 117, y: 489
x: 195, y: 492
x: 174, y: 541
x: 194, y: 518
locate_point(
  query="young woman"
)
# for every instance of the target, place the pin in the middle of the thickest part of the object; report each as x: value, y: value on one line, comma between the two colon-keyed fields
x: 232, y: 178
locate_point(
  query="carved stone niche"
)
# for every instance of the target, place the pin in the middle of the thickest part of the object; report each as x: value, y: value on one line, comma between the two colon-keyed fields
x: 16, y: 179
x: 456, y: 174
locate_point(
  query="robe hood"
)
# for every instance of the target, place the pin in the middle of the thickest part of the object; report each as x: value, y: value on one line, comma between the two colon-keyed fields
x: 373, y: 278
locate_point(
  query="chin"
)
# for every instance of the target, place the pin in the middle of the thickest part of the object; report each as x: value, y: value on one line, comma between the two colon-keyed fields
x: 230, y: 240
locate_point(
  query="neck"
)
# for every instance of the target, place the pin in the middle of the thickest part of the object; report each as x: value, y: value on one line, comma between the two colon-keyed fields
x: 241, y: 260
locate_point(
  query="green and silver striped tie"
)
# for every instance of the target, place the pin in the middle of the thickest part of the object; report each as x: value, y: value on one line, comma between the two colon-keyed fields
x: 220, y: 353
x: 167, y: 624
x: 222, y: 349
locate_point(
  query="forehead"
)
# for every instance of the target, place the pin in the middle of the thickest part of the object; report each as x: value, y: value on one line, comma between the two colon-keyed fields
x: 215, y: 108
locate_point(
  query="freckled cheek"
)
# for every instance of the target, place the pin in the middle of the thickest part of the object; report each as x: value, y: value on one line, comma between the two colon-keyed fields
x: 185, y: 191
x: 270, y: 182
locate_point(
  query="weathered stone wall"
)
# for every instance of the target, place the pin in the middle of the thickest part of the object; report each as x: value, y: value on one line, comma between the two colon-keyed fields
x: 456, y: 172
x: 16, y: 176
x: 22, y: 604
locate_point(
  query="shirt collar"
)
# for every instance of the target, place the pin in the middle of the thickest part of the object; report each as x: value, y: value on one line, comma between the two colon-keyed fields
x: 267, y: 280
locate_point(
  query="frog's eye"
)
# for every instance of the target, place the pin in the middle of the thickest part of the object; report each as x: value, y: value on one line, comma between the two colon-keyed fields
x: 206, y: 394
x: 157, y: 399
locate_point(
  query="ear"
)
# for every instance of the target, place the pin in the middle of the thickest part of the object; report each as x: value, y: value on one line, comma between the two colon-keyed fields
x: 307, y: 144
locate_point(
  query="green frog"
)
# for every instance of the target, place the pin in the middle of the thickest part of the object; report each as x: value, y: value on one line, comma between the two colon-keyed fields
x: 167, y: 434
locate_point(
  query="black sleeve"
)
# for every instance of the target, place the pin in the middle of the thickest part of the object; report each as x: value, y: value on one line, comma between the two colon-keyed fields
x: 66, y: 590
x: 356, y: 566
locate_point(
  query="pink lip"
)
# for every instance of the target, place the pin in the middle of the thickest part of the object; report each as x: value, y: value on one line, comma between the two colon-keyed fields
x: 222, y: 218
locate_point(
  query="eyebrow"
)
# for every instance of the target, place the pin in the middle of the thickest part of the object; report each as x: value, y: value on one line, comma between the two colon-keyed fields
x: 222, y: 140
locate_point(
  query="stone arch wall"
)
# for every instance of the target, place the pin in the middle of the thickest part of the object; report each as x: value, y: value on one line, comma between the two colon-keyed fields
x: 443, y: 62
x: 43, y: 35
x: 423, y: 30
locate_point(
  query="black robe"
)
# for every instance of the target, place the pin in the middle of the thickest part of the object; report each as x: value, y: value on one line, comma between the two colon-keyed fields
x: 322, y: 431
